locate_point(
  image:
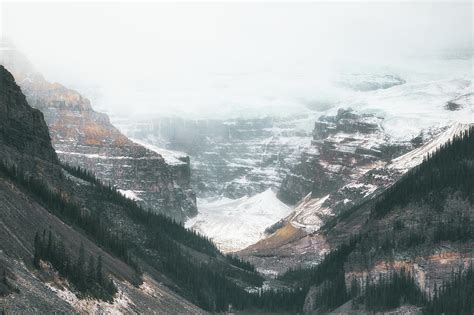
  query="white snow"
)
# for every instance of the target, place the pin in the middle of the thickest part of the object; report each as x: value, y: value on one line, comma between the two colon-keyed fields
x: 103, y: 157
x: 234, y: 224
x: 171, y: 157
x: 122, y: 302
x: 130, y: 194
x: 415, y: 157
x: 410, y: 108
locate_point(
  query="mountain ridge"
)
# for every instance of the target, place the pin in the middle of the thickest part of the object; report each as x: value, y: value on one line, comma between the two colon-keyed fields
x: 84, y: 137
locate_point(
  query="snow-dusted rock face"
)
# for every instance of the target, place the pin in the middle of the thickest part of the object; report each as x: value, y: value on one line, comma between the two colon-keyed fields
x: 230, y: 158
x: 344, y: 147
x: 358, y: 182
x: 84, y: 137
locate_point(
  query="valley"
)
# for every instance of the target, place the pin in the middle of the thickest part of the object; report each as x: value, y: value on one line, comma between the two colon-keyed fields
x: 176, y: 158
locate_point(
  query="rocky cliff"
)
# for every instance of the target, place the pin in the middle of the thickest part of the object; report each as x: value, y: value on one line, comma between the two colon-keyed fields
x: 84, y: 137
x: 344, y: 147
x: 231, y: 157
x: 24, y: 136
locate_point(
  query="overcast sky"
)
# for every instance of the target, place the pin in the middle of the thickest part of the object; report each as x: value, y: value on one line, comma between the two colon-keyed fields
x: 199, y: 57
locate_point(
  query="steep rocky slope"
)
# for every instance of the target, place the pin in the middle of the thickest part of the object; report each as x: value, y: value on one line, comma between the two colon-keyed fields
x: 343, y: 148
x: 25, y: 144
x: 84, y: 137
x: 296, y: 240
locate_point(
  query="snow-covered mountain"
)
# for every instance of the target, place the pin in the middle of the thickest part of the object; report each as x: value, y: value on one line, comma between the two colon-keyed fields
x: 329, y: 157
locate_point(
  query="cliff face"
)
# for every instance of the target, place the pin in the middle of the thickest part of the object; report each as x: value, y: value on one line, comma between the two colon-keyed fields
x: 21, y: 126
x: 84, y: 137
x: 24, y: 136
x: 344, y: 147
x: 234, y: 157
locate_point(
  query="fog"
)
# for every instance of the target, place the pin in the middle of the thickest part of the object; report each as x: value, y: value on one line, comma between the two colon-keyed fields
x: 204, y: 59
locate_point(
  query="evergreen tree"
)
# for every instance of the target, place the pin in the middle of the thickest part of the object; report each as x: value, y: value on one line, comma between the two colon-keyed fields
x: 99, y: 275
x: 37, y: 252
x: 91, y: 272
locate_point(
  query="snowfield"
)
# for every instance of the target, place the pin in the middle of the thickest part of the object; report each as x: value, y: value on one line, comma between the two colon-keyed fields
x: 411, y: 108
x: 234, y: 224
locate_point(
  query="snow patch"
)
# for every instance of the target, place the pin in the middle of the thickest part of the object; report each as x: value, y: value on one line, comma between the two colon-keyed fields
x: 171, y: 157
x: 130, y: 194
x: 122, y: 303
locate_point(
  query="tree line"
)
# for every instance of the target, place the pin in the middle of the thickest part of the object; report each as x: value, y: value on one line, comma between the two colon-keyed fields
x: 146, y: 217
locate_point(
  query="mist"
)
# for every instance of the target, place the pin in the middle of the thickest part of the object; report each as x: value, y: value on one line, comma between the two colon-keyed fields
x: 233, y: 59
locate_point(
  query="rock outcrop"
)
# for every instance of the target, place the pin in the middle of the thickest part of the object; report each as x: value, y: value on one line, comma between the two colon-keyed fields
x: 24, y: 136
x: 84, y: 137
x: 344, y: 147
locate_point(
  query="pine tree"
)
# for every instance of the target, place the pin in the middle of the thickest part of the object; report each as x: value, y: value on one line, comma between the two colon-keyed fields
x: 91, y: 272
x: 99, y: 275
x: 37, y: 250
x: 80, y: 266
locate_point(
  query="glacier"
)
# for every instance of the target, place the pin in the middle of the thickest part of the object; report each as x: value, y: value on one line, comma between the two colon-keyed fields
x: 234, y: 224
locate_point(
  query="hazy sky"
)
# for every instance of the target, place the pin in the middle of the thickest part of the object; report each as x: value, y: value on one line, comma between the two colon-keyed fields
x: 202, y: 57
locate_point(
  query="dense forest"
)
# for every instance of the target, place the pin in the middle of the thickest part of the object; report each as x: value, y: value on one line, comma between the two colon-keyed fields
x: 87, y: 276
x: 391, y: 291
x: 454, y: 297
